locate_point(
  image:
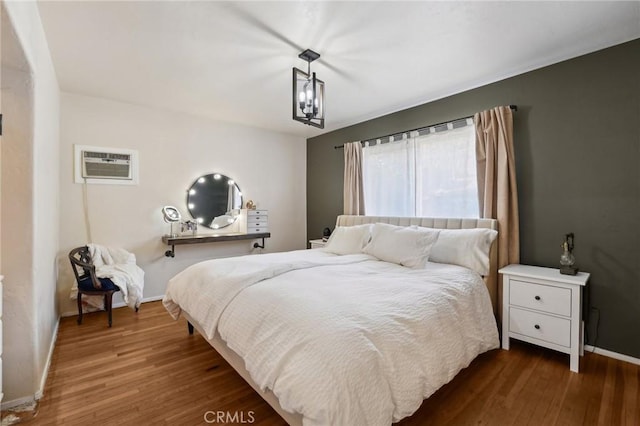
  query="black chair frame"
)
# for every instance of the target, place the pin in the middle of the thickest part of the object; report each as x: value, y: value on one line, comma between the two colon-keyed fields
x: 83, y: 266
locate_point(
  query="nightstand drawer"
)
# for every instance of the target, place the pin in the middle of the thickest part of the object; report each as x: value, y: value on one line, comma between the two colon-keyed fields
x: 555, y: 300
x: 540, y: 326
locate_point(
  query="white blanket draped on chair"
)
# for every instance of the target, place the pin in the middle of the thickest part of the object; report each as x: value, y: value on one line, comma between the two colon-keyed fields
x: 120, y: 266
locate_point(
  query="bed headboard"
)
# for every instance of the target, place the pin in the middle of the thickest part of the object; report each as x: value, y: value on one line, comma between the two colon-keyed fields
x: 441, y: 223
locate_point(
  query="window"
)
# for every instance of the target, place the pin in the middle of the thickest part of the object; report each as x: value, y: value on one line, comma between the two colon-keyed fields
x: 431, y: 174
x: 388, y: 177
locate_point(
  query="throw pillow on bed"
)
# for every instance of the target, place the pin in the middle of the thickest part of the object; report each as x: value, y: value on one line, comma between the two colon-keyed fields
x: 348, y: 239
x: 406, y: 246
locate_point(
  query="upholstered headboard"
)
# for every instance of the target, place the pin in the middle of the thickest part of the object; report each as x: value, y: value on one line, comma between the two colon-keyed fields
x: 441, y: 223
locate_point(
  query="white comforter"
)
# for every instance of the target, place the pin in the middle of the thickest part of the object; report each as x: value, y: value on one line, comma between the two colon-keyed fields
x: 343, y: 340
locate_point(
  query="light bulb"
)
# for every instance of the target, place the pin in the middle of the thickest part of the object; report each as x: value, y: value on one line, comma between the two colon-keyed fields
x: 217, y: 176
x: 192, y: 192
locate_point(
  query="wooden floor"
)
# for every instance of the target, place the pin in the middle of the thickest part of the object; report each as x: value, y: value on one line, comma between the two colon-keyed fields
x: 148, y: 370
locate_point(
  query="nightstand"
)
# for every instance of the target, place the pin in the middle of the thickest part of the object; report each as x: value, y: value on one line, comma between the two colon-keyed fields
x: 543, y: 307
x: 317, y: 243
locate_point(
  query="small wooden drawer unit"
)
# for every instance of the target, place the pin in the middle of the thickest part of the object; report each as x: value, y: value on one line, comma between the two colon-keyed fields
x: 257, y: 221
x: 543, y: 307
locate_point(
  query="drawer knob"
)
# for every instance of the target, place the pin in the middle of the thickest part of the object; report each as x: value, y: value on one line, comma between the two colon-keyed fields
x: 537, y: 327
x: 537, y: 297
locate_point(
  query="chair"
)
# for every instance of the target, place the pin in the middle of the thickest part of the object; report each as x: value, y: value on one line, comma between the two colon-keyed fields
x: 88, y: 283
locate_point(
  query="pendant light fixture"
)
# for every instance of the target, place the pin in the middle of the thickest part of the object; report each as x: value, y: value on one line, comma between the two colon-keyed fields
x: 308, y: 93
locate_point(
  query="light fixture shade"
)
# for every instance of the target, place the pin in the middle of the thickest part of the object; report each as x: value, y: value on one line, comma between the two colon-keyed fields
x: 308, y: 98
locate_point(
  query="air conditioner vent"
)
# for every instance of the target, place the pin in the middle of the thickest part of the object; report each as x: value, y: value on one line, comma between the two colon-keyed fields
x: 105, y: 165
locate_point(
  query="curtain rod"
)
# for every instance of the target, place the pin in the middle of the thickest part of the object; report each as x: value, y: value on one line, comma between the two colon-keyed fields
x: 512, y: 107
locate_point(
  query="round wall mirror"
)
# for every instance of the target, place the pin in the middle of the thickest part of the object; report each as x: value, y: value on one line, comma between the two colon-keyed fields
x: 214, y: 200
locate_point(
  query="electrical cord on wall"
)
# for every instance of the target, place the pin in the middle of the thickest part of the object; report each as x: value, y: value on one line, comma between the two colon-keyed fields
x: 85, y: 205
x: 590, y: 319
x: 595, y: 339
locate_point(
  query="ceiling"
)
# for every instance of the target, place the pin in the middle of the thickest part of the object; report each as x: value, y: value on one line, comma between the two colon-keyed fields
x: 232, y: 61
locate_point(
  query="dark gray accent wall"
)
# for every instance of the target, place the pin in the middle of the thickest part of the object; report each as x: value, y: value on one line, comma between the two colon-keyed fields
x: 577, y: 145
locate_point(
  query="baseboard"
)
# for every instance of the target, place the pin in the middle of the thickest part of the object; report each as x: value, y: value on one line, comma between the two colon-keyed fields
x: 145, y: 300
x: 611, y: 354
x: 45, y: 374
x: 116, y: 305
x: 26, y: 400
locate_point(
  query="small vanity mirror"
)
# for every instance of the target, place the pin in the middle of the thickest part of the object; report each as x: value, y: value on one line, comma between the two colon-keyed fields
x: 171, y: 214
x: 214, y: 200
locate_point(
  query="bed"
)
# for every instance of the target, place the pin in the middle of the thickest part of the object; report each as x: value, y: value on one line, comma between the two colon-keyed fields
x: 357, y: 333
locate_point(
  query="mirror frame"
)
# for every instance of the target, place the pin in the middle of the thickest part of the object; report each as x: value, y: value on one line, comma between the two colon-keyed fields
x: 207, y: 219
x: 171, y: 214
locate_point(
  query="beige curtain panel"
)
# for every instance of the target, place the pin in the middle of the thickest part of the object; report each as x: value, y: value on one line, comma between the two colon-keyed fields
x: 353, y: 189
x: 497, y: 192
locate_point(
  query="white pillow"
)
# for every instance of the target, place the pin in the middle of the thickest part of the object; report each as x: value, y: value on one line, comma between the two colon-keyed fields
x: 464, y: 247
x: 406, y: 246
x: 348, y: 239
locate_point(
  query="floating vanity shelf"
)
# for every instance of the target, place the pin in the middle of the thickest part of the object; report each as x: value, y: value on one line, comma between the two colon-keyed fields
x: 212, y: 238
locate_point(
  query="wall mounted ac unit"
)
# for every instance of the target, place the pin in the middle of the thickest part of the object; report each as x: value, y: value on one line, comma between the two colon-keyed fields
x: 105, y: 165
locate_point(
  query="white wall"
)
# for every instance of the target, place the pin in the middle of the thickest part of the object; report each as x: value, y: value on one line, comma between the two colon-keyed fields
x: 30, y: 210
x: 174, y: 150
x: 17, y: 230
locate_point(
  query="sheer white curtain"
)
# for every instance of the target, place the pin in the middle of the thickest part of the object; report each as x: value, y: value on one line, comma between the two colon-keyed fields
x: 446, y: 183
x: 388, y: 173
x: 430, y: 174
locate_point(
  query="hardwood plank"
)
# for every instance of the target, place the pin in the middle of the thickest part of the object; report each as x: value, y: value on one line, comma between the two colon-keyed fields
x: 631, y: 396
x: 146, y: 369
